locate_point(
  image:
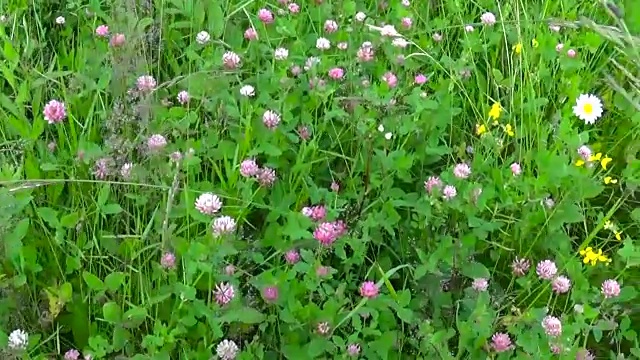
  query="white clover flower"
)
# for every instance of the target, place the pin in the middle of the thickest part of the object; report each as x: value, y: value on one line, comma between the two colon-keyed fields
x: 360, y: 16
x: 323, y: 44
x: 125, y: 170
x: 386, y: 30
x: 227, y: 350
x: 203, y: 37
x: 281, y: 54
x: 18, y: 339
x: 60, y: 20
x: 388, y: 136
x: 400, y: 42
x: 588, y: 108
x: 223, y: 225
x: 248, y: 91
x: 381, y: 128
x: 488, y: 19
x: 208, y: 204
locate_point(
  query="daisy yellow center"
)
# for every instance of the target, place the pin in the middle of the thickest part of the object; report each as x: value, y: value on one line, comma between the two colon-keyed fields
x: 587, y: 108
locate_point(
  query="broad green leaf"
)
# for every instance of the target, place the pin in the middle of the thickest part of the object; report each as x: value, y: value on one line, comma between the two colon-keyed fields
x: 111, y: 209
x: 92, y: 281
x: 245, y: 315
x: 114, y: 281
x: 474, y: 270
x: 70, y: 220
x: 111, y: 312
x: 49, y: 215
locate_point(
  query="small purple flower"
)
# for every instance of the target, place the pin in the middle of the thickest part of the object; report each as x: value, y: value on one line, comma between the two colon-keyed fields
x: 449, y: 192
x: 462, y: 171
x: 292, y: 256
x: 516, y: 169
x: 561, y: 285
x: 270, y: 293
x: 249, y: 168
x: 54, y: 112
x: 546, y: 269
x: 369, y: 289
x: 335, y: 187
x: 315, y: 213
x: 610, y: 288
x: 584, y: 354
x: 322, y: 271
x: 102, y: 168
x: 230, y: 270
x: 72, y: 354
x: 432, y: 183
x: 353, y: 350
x: 480, y: 284
x: 266, y: 176
x: 271, y: 119
x: 520, y: 266
x: 501, y: 342
x: 183, y: 97
x: 146, y: 83
x: 156, y: 142
x: 168, y: 260
x: 552, y: 326
x: 224, y: 293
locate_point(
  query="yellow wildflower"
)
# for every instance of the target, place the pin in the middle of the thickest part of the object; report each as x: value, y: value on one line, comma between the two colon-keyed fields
x: 587, y: 255
x: 593, y: 257
x: 605, y: 161
x: 509, y: 130
x: 480, y: 129
x: 517, y: 48
x: 618, y: 235
x: 609, y: 180
x: 595, y: 157
x: 534, y: 43
x: 496, y: 110
x: 579, y: 162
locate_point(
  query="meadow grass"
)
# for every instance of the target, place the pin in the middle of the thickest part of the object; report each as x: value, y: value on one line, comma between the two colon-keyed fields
x: 323, y: 179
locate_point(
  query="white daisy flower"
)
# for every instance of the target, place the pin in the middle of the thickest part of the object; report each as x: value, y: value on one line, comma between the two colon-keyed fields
x: 588, y: 108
